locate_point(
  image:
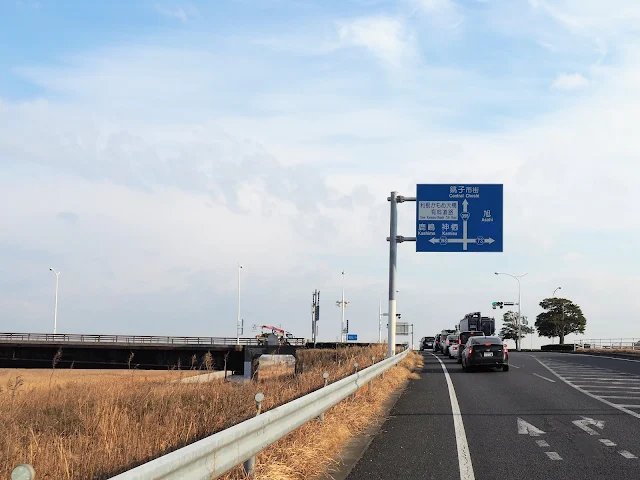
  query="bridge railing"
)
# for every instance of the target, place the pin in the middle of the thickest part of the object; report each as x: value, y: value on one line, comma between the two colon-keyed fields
x: 217, y: 454
x: 132, y: 339
x: 608, y: 344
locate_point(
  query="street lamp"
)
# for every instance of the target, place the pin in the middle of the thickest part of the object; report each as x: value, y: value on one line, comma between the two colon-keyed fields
x: 342, y: 304
x: 238, y: 319
x: 55, y: 310
x: 517, y: 277
x: 554, y: 292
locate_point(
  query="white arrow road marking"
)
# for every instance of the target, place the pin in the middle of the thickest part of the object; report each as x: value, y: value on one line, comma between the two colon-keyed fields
x: 553, y: 455
x: 525, y: 428
x: 607, y: 443
x: 589, y: 421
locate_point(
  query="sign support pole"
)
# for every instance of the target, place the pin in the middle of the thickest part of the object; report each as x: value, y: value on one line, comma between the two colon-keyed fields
x: 393, y: 240
x: 393, y: 261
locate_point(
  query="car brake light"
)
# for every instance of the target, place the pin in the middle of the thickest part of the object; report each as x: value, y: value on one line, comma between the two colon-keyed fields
x: 487, y: 344
x: 470, y: 350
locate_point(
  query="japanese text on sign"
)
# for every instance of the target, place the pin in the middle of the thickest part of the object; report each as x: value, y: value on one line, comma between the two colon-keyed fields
x: 438, y: 210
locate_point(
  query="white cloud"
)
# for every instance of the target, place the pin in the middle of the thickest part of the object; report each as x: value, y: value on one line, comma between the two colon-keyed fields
x: 570, y: 81
x: 441, y: 14
x: 384, y: 36
x: 182, y: 13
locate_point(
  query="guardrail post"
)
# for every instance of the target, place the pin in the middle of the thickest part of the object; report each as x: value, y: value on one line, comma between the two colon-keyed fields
x: 325, y: 375
x: 23, y: 472
x: 373, y: 361
x: 250, y: 465
x: 355, y: 365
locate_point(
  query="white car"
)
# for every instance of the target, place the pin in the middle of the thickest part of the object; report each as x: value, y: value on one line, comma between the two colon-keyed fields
x: 453, y: 350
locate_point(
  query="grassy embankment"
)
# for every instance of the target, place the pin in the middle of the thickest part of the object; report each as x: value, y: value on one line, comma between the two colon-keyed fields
x: 79, y: 424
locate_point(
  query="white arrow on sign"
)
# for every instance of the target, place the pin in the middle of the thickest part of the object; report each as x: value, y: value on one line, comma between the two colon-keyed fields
x: 589, y: 421
x: 464, y: 241
x: 525, y: 428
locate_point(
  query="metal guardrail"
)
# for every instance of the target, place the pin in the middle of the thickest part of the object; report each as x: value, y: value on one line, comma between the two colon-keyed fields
x: 132, y: 339
x: 217, y: 454
x: 608, y: 344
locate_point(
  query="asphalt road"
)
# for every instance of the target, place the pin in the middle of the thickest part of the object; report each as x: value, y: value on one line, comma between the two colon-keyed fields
x: 557, y: 416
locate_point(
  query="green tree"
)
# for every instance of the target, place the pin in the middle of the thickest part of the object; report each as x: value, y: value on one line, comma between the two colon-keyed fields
x: 509, y: 328
x: 561, y: 318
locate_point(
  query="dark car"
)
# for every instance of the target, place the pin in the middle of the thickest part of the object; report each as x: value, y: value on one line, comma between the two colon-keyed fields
x: 463, y: 338
x: 427, y: 343
x: 485, y: 352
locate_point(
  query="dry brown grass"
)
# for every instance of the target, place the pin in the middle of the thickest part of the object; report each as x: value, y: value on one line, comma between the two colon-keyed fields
x: 71, y: 428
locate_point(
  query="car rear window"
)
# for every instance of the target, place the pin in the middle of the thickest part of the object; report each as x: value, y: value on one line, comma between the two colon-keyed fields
x: 491, y: 340
x: 452, y: 337
x: 429, y: 339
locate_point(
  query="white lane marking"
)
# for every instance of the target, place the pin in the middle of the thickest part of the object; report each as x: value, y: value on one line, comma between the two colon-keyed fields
x: 602, y: 387
x: 629, y: 406
x: 620, y: 397
x: 464, y: 456
x: 553, y: 455
x: 611, y: 404
x: 514, y: 366
x: 542, y: 443
x: 626, y: 454
x: 610, y: 358
x: 589, y: 421
x: 607, y: 443
x: 545, y: 378
x: 525, y: 428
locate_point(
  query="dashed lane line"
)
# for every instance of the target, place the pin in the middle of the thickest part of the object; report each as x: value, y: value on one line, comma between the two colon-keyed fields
x: 626, y: 454
x: 553, y: 455
x: 544, y: 378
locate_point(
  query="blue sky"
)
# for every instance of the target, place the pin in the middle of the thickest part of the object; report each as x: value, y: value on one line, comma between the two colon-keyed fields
x: 147, y: 147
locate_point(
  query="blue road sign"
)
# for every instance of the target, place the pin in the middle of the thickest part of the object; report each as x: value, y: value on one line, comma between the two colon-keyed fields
x: 459, y: 218
x: 352, y: 337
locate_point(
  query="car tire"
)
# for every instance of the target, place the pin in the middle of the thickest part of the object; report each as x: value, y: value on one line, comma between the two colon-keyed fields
x: 505, y: 368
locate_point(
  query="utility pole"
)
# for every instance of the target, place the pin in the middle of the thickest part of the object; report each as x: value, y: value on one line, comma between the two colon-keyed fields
x: 315, y: 316
x: 412, y: 344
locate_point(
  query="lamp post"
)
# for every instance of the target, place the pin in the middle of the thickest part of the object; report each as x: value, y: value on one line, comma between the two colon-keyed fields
x: 517, y: 277
x: 238, y: 319
x: 554, y: 294
x: 342, y: 304
x: 55, y: 309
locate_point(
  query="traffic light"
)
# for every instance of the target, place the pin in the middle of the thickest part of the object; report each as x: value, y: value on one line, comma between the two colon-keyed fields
x: 398, y: 315
x: 347, y: 325
x: 497, y: 304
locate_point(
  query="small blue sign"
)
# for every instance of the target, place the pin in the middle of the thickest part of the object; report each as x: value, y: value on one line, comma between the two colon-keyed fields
x: 459, y: 218
x: 352, y: 337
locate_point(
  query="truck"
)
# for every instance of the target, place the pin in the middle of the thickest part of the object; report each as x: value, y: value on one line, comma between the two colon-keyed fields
x: 475, y: 322
x: 277, y: 336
